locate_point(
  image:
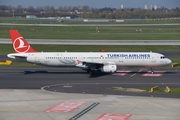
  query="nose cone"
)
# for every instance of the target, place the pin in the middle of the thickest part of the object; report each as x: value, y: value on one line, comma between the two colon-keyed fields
x: 169, y: 62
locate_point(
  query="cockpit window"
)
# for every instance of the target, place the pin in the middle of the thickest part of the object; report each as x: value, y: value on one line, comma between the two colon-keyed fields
x: 162, y: 57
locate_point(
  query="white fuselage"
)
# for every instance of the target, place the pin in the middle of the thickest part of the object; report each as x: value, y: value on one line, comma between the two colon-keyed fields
x: 146, y: 59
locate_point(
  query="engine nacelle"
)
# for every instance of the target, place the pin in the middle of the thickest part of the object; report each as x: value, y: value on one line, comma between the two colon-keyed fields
x: 109, y: 68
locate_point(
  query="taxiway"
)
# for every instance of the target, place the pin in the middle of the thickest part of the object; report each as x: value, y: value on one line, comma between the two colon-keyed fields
x: 96, y: 42
x: 36, y: 93
x: 75, y: 80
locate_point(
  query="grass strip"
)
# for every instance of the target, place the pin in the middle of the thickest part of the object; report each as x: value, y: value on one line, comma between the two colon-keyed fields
x: 91, y: 32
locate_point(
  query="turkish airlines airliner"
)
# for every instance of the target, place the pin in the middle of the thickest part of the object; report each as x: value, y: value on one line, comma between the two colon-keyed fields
x: 90, y: 61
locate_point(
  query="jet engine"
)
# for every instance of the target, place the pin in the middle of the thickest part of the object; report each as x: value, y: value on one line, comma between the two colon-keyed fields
x: 109, y: 68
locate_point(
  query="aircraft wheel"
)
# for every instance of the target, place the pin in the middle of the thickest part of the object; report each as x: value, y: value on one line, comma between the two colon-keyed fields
x: 91, y: 72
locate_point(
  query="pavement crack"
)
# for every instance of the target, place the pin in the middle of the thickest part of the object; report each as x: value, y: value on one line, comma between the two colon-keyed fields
x: 132, y: 109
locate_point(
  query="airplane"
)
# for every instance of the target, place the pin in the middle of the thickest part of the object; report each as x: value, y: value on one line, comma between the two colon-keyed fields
x: 107, y: 62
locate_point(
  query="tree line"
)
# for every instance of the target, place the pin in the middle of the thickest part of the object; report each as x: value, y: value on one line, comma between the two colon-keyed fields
x: 89, y: 12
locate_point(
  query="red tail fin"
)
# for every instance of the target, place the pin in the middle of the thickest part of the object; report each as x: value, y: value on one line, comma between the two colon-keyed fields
x: 20, y: 45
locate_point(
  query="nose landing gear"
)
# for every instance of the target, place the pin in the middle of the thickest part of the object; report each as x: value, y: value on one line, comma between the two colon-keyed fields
x: 152, y: 71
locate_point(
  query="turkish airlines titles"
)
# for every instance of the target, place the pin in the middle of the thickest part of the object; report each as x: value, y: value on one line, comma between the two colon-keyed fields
x: 129, y: 55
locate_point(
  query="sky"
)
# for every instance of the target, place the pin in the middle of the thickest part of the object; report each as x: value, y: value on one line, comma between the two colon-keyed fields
x: 94, y: 3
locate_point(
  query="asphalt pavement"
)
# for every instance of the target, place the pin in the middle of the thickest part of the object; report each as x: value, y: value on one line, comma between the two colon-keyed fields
x: 95, y: 42
x: 53, y: 79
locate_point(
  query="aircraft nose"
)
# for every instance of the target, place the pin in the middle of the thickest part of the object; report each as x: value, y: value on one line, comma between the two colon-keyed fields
x: 169, y: 61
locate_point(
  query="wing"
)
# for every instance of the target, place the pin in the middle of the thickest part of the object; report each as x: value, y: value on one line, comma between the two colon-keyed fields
x: 94, y: 65
x: 98, y: 63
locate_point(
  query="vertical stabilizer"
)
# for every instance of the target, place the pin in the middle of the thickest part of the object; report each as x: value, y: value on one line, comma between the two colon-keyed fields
x: 20, y: 45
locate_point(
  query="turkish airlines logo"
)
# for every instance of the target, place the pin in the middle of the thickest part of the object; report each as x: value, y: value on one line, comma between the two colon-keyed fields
x: 20, y: 45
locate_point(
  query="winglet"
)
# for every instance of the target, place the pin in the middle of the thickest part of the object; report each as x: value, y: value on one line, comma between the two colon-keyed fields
x: 20, y: 45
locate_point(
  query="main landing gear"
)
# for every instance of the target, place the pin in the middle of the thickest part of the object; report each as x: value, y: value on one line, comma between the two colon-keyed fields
x: 91, y: 72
